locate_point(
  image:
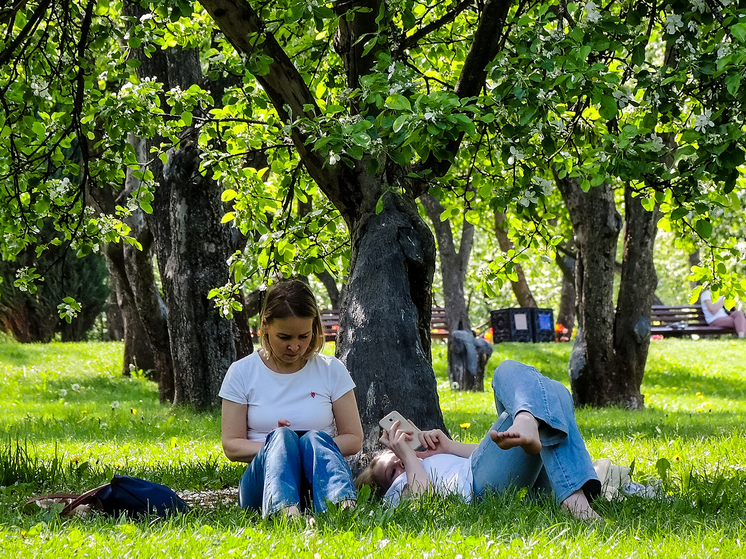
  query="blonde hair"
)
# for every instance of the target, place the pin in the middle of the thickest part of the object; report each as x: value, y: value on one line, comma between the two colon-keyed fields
x: 368, y: 477
x: 292, y: 298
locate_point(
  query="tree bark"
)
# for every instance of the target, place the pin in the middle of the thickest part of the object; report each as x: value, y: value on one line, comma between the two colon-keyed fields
x: 384, y: 330
x: 453, y: 263
x: 192, y: 249
x: 137, y: 350
x: 521, y: 288
x: 596, y: 224
x: 636, y: 293
x: 568, y: 295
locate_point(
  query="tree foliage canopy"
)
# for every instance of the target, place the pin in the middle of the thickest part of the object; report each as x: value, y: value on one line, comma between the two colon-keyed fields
x: 631, y: 92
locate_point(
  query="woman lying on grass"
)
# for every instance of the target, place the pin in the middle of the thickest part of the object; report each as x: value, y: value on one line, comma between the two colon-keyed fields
x: 534, y: 443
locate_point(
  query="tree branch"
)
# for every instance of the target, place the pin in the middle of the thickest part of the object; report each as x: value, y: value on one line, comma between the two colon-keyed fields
x: 484, y: 48
x: 423, y: 32
x: 283, y: 84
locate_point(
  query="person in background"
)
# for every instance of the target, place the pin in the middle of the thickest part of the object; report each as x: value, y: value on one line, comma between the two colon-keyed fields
x: 716, y: 315
x: 290, y: 412
x: 534, y: 443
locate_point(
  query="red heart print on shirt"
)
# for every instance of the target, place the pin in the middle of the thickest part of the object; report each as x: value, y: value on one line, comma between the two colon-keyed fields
x: 313, y: 394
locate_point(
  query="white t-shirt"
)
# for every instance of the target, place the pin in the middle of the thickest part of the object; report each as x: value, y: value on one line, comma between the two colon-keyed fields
x: 447, y: 473
x: 303, y: 398
x: 709, y: 317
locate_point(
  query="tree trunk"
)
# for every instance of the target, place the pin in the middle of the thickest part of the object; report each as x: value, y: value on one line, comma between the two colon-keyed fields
x: 192, y: 248
x: 137, y: 350
x: 694, y: 260
x: 596, y: 224
x: 636, y: 292
x: 453, y: 263
x: 521, y: 288
x: 568, y: 295
x: 384, y: 330
x: 453, y: 267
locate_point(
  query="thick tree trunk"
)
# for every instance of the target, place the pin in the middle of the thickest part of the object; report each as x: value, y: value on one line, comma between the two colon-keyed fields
x: 596, y: 224
x: 521, y: 288
x: 193, y: 249
x: 384, y: 331
x: 636, y: 293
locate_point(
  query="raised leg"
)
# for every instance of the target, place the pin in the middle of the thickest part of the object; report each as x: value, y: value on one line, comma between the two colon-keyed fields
x: 562, y: 459
x: 272, y: 480
x: 326, y: 470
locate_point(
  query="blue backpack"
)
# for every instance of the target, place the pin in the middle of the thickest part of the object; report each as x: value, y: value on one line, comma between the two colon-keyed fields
x: 124, y: 495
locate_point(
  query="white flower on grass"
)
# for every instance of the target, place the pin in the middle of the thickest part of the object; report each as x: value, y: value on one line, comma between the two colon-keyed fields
x: 75, y: 388
x: 591, y: 12
x: 114, y: 404
x: 703, y: 121
x: 672, y: 23
x: 63, y: 393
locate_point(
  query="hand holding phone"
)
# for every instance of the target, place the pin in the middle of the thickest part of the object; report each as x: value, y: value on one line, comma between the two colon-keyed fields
x: 404, y: 425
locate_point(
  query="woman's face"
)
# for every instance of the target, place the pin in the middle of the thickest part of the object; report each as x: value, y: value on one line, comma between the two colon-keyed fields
x: 386, y: 469
x: 289, y: 339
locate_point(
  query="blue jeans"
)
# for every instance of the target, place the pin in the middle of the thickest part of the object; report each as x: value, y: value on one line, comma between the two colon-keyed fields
x: 563, y: 465
x: 289, y: 465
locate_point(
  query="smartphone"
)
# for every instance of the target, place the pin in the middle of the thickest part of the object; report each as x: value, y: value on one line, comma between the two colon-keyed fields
x: 404, y: 425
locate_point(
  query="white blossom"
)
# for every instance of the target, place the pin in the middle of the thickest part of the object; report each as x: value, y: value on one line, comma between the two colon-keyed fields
x: 75, y: 388
x: 515, y: 155
x: 703, y: 121
x: 591, y: 12
x: 115, y: 404
x: 657, y: 141
x: 699, y: 6
x: 63, y: 393
x: 672, y: 23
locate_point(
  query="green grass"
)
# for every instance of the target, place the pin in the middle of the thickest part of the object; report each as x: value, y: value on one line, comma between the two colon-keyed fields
x: 69, y: 420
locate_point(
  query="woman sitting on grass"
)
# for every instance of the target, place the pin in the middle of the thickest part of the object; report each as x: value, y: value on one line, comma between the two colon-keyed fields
x: 290, y: 412
x: 534, y: 443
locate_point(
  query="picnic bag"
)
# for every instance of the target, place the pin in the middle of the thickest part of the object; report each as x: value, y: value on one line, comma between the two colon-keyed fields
x: 129, y: 495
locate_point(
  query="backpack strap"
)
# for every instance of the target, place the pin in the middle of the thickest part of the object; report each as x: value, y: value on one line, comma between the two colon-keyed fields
x: 90, y: 497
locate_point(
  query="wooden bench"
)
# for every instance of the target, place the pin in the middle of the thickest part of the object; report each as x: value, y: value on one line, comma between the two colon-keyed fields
x: 682, y: 320
x: 438, y: 324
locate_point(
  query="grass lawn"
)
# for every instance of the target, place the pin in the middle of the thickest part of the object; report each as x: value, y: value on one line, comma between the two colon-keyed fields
x: 69, y: 420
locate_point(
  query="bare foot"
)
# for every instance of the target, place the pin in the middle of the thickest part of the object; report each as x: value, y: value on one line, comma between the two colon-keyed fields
x: 524, y: 433
x: 577, y: 505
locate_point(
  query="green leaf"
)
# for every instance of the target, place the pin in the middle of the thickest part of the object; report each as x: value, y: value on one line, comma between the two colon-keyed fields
x: 186, y: 116
x: 703, y: 228
x: 739, y: 31
x: 398, y: 103
x: 608, y: 108
x: 400, y: 122
x: 679, y: 213
x: 228, y: 195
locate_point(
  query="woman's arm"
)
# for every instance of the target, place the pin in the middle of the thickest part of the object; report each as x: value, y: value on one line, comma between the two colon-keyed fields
x: 349, y: 437
x: 397, y: 440
x: 716, y: 306
x: 233, y: 433
x: 436, y: 441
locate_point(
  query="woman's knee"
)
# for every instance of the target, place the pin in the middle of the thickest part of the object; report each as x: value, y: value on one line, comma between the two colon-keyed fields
x: 314, y: 439
x: 283, y: 436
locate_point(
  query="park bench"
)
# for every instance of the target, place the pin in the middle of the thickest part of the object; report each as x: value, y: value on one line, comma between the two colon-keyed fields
x: 438, y: 324
x: 682, y: 320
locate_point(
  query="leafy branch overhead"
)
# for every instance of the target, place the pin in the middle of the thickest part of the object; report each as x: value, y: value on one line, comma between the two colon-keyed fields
x: 410, y: 96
